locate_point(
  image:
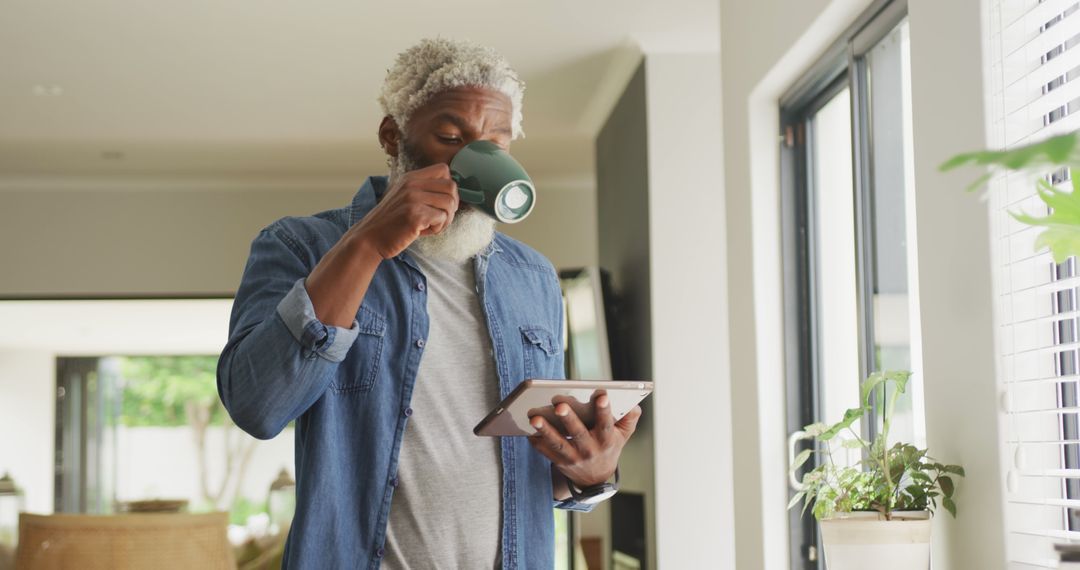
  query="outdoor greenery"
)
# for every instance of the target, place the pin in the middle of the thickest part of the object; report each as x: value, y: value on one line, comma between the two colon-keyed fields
x: 243, y: 508
x: 900, y: 477
x: 181, y: 391
x: 1062, y: 225
x: 158, y: 390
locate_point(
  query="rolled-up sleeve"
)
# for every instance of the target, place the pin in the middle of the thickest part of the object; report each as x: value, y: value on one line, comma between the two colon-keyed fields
x: 279, y: 359
x: 298, y: 314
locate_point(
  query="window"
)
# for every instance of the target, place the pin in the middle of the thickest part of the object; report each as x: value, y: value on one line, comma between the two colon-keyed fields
x: 850, y: 286
x: 1034, y: 93
x: 143, y: 428
x: 103, y: 425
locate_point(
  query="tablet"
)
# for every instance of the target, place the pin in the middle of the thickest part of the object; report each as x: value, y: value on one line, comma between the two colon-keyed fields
x: 539, y: 397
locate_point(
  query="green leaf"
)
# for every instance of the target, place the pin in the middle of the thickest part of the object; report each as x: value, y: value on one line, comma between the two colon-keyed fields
x: 157, y: 390
x: 1052, y: 151
x: 1062, y: 238
x: 872, y: 382
x: 949, y: 505
x: 899, y: 377
x: 979, y: 182
x: 795, y: 500
x: 921, y: 477
x: 852, y: 444
x: 816, y: 429
x: 954, y: 469
x: 801, y: 458
x: 850, y: 417
x: 946, y: 484
x: 1062, y: 226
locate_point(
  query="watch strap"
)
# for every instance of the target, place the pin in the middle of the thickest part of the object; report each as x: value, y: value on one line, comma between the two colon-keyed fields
x: 594, y: 493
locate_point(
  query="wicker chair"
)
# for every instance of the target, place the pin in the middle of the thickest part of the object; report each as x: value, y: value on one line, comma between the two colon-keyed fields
x: 124, y: 542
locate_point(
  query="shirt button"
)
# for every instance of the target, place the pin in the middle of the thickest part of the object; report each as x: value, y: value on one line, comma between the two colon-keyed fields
x: 420, y: 286
x: 419, y: 343
x: 408, y: 412
x: 380, y: 552
x: 393, y: 481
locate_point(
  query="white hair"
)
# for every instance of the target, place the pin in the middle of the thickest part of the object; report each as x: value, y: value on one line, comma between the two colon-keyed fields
x: 437, y: 65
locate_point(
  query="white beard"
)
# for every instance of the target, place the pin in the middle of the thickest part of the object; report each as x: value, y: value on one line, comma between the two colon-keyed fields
x: 468, y: 235
x: 465, y: 237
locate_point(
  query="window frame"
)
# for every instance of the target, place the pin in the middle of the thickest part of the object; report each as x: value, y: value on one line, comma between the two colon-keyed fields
x: 843, y: 65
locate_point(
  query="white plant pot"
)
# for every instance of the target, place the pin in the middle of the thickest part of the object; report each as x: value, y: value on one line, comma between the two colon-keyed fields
x: 856, y: 541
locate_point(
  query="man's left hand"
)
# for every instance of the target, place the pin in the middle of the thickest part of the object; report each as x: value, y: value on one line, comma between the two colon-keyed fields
x: 585, y: 456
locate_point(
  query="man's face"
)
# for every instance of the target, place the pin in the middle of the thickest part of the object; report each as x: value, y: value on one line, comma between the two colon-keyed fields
x: 456, y: 118
x: 442, y: 126
x: 434, y: 134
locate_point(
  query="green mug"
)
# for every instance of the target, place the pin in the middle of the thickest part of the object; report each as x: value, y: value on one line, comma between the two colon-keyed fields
x: 491, y: 180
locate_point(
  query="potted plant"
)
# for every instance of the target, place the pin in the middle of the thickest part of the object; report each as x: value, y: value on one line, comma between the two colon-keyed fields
x: 879, y: 506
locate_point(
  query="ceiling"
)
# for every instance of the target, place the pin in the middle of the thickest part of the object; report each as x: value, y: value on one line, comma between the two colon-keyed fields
x: 288, y: 87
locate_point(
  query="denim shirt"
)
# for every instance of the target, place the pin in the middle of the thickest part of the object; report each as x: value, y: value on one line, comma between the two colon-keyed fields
x: 349, y: 389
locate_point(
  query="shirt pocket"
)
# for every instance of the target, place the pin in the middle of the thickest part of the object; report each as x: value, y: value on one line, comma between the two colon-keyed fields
x: 540, y: 352
x: 366, y: 353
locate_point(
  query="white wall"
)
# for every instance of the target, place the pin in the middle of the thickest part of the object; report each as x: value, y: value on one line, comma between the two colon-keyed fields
x: 563, y: 224
x: 955, y: 279
x: 27, y: 416
x: 145, y: 237
x: 752, y: 60
x: 165, y: 236
x: 162, y: 463
x: 692, y: 405
x: 766, y: 45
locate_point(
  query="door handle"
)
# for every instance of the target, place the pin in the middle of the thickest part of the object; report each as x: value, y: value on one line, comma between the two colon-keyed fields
x: 792, y: 441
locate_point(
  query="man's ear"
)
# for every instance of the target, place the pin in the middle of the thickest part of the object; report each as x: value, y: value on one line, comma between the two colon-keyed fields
x: 389, y: 136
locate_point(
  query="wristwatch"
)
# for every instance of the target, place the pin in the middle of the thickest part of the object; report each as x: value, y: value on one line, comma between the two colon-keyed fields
x: 594, y: 494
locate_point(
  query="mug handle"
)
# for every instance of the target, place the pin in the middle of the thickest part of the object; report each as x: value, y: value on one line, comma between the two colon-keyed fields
x: 470, y: 196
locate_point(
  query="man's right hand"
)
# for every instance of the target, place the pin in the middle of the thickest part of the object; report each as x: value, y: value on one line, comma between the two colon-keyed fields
x: 422, y: 202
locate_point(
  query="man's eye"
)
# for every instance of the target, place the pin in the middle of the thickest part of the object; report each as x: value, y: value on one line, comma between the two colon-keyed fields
x: 450, y: 140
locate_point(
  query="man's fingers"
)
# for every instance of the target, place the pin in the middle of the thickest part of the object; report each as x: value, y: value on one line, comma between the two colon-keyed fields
x: 542, y: 447
x: 437, y: 170
x: 431, y: 220
x: 605, y: 423
x: 438, y: 186
x: 551, y: 442
x: 629, y: 422
x: 578, y: 433
x: 445, y: 202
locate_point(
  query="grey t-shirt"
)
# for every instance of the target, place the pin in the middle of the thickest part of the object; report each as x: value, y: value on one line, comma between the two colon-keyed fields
x: 446, y: 511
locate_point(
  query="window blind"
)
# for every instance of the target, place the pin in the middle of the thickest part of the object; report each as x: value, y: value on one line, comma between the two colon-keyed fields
x: 1034, y: 93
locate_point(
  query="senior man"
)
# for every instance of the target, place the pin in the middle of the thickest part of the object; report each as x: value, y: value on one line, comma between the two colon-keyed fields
x: 388, y: 328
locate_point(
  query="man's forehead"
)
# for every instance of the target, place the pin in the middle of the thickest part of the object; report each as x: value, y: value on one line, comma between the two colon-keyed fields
x: 466, y: 99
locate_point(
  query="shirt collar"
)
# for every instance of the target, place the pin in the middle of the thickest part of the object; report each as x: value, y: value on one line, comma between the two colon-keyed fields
x: 492, y: 247
x: 366, y: 198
